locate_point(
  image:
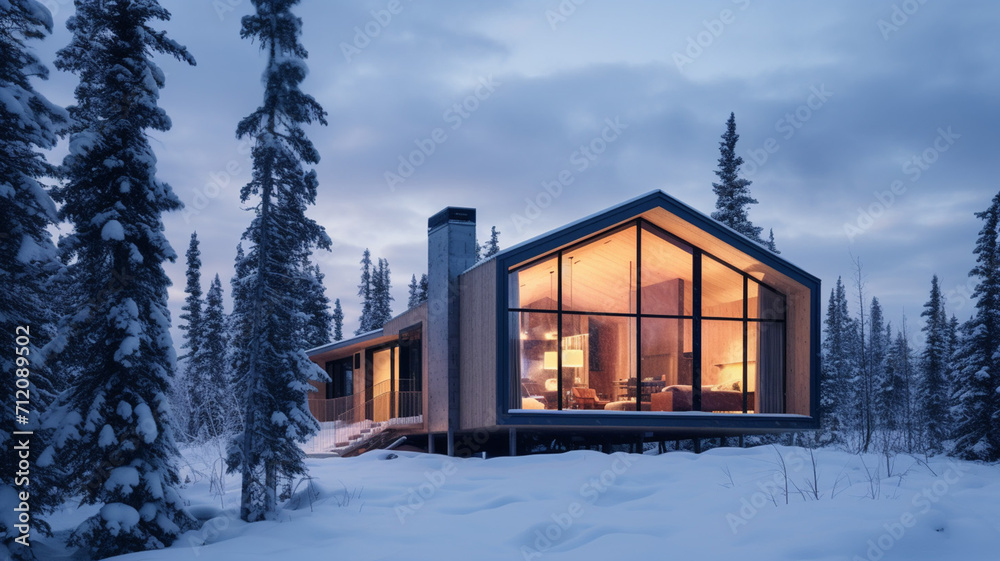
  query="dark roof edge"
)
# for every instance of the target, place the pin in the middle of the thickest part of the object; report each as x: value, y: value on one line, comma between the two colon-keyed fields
x: 643, y: 203
x: 375, y: 334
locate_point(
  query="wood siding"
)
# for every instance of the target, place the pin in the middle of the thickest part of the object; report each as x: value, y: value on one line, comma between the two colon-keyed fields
x: 478, y: 328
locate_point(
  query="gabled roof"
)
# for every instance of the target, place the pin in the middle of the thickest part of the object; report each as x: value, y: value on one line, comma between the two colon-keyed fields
x: 633, y: 208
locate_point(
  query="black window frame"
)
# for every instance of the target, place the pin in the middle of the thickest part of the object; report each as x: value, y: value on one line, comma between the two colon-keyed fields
x: 335, y: 370
x: 696, y: 317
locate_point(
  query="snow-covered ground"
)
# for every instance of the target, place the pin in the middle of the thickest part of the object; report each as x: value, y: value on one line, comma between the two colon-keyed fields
x: 723, y: 504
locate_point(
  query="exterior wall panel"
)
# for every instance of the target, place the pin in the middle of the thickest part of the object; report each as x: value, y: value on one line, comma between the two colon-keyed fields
x: 479, y: 345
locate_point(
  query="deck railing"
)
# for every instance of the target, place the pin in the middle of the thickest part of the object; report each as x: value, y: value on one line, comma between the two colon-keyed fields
x: 348, y: 427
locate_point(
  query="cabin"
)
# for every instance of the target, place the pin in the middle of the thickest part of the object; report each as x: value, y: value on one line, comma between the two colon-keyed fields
x: 648, y: 320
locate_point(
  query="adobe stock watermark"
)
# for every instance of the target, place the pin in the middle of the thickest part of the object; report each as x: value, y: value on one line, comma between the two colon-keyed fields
x: 580, y: 161
x: 370, y: 30
x: 914, y: 168
x: 549, y: 534
x: 55, y: 5
x: 714, y: 28
x: 224, y: 7
x: 562, y: 12
x: 218, y: 181
x: 417, y: 497
x: 787, y: 126
x: 959, y: 296
x: 921, y: 504
x: 455, y: 116
x: 898, y: 17
x: 210, y: 530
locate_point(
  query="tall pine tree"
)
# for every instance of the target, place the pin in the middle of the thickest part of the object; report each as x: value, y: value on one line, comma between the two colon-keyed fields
x: 213, y: 417
x: 900, y: 389
x: 365, y: 323
x: 770, y: 242
x: 239, y: 326
x: 271, y: 365
x: 732, y: 191
x: 839, y: 369
x: 414, y: 293
x: 934, y: 367
x: 190, y: 380
x: 117, y: 436
x: 191, y: 315
x: 422, y: 291
x: 493, y: 244
x: 317, y: 322
x: 878, y: 344
x: 338, y: 321
x: 381, y: 297
x: 977, y: 393
x: 27, y: 257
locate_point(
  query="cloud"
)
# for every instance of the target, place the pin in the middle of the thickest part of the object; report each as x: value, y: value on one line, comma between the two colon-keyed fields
x: 555, y: 88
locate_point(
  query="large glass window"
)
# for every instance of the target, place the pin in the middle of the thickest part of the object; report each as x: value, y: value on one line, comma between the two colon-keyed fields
x: 620, y: 321
x: 597, y: 360
x: 341, y: 374
x: 599, y: 276
x: 533, y: 350
x: 722, y: 366
x: 667, y: 275
x: 535, y: 287
x: 721, y: 290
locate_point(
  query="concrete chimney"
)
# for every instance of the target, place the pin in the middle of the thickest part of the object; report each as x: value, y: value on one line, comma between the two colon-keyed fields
x: 451, y: 249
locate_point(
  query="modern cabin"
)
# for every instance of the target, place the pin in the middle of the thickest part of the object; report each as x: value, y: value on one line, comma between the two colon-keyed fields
x: 647, y: 320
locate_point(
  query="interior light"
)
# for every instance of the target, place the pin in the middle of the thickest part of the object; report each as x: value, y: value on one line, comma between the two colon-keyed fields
x: 572, y: 358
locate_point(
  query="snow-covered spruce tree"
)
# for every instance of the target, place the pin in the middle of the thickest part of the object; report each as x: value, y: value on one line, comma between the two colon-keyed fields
x: 272, y: 368
x: 191, y: 315
x: 117, y: 436
x: 213, y: 417
x: 413, y: 299
x: 977, y: 395
x: 900, y: 390
x: 934, y: 364
x: 27, y: 259
x: 381, y: 297
x: 365, y: 292
x: 953, y: 374
x: 338, y: 321
x: 317, y: 322
x: 239, y: 325
x: 890, y: 405
x: 732, y: 191
x: 838, y: 370
x: 878, y: 345
x: 191, y: 325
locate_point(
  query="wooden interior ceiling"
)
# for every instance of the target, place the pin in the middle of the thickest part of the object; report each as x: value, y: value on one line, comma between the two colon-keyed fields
x: 720, y: 284
x: 709, y: 243
x: 600, y: 275
x: 537, y: 284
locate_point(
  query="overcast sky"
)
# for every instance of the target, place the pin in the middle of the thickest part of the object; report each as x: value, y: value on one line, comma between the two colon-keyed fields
x: 838, y: 105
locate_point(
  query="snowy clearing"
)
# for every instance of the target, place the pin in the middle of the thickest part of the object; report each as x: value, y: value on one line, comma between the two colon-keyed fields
x: 724, y: 503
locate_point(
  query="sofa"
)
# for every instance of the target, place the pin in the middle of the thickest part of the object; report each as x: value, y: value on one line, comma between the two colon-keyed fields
x: 678, y: 398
